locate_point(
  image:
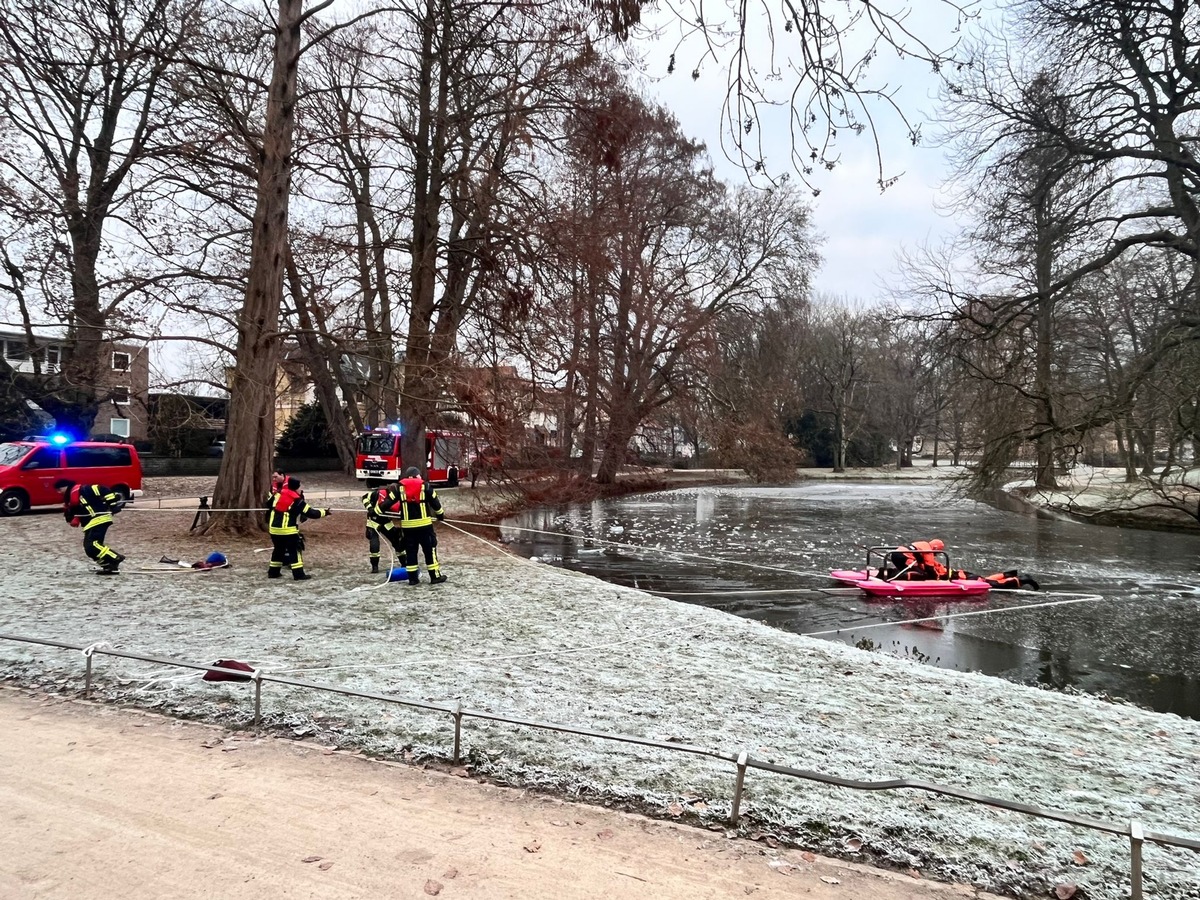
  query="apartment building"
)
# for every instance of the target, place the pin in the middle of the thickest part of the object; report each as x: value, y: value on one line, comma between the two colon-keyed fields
x: 123, y: 383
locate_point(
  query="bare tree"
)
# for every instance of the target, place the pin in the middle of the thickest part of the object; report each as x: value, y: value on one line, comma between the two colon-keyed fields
x: 840, y: 372
x: 1038, y: 211
x: 81, y: 87
x: 484, y: 80
x: 812, y: 67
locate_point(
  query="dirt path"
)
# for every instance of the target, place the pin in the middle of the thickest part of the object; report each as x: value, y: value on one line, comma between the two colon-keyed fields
x: 111, y: 803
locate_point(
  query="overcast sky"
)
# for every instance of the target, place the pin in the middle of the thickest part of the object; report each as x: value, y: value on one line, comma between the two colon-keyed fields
x: 863, y: 230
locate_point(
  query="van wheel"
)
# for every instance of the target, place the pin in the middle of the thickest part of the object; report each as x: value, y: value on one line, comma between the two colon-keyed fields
x: 122, y: 492
x: 13, y: 502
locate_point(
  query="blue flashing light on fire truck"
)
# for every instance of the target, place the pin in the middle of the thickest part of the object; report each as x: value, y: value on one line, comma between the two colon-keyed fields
x: 377, y: 458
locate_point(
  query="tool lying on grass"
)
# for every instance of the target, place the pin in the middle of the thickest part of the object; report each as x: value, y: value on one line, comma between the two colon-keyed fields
x: 215, y: 560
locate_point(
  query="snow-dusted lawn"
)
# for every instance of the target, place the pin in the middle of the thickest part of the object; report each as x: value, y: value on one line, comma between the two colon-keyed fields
x: 1089, y: 490
x: 534, y: 642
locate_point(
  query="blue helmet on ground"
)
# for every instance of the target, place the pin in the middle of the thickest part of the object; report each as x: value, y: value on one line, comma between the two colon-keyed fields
x: 216, y: 558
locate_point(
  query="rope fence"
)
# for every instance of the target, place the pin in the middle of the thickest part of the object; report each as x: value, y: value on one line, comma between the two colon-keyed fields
x: 742, y: 762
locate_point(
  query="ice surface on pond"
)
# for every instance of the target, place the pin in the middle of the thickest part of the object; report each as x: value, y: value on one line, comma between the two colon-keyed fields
x: 539, y: 643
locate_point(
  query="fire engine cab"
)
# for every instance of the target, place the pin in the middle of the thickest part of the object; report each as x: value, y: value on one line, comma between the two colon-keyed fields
x: 377, y: 459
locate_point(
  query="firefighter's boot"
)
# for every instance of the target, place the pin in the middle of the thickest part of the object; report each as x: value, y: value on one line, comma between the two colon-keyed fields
x: 300, y: 575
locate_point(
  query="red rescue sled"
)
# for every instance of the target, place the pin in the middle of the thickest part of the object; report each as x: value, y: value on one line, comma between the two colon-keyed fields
x: 884, y: 576
x: 868, y: 581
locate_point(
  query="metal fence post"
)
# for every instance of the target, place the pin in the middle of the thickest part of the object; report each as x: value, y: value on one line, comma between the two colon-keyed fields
x: 257, y: 698
x: 87, y: 675
x: 457, y: 731
x: 1136, y: 837
x: 737, y: 788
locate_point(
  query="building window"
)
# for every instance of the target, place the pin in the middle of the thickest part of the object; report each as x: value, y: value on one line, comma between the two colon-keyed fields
x: 120, y: 395
x: 119, y: 427
x: 16, y: 350
x: 53, y: 357
x: 121, y: 362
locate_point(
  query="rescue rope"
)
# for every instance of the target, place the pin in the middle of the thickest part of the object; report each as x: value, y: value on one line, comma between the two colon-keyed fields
x: 387, y: 575
x: 645, y: 548
x: 1086, y: 598
x: 848, y: 591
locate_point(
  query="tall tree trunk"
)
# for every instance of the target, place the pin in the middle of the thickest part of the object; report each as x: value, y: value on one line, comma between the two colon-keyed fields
x: 419, y: 398
x: 250, y: 429
x: 320, y: 362
x: 839, y: 438
x: 937, y: 430
x: 1125, y: 449
x: 1044, y: 475
x: 616, y: 439
x: 81, y: 368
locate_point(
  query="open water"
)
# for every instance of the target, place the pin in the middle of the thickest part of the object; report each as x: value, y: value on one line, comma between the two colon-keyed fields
x: 1134, y: 633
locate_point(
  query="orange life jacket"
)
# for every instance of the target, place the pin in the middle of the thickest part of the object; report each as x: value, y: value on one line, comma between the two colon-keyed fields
x: 929, y: 560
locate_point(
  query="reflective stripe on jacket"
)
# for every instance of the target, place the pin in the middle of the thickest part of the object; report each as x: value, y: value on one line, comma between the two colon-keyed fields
x: 417, y: 503
x: 371, y: 501
x: 287, y: 510
x: 91, y: 504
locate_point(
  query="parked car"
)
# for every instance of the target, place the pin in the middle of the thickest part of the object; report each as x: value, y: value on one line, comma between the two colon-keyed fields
x: 29, y: 470
x: 217, y: 449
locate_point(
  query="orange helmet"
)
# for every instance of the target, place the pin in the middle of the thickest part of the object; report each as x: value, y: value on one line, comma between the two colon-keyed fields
x: 936, y: 544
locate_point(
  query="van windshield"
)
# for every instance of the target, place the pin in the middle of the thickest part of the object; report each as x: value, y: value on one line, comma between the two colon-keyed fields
x: 10, y: 453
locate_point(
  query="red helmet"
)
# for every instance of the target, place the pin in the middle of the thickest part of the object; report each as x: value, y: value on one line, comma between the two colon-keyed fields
x: 936, y: 544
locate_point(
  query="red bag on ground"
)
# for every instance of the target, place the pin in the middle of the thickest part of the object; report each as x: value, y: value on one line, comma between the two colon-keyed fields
x: 226, y: 676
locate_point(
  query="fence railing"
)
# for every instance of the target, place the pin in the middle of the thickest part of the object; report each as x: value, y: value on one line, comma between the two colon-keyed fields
x: 742, y: 762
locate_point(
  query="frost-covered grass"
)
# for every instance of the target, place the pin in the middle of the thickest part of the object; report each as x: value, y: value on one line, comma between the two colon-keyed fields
x: 534, y: 642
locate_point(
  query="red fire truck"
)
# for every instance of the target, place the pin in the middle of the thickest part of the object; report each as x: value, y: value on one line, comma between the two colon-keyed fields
x: 378, y: 456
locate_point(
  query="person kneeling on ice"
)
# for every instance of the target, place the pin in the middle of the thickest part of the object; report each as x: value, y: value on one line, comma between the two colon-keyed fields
x: 287, y: 510
x: 901, y: 564
x: 92, y: 507
x: 931, y: 562
x: 922, y: 561
x: 418, y: 505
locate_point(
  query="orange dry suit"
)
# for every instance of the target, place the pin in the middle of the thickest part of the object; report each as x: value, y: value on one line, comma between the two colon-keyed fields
x: 928, y: 563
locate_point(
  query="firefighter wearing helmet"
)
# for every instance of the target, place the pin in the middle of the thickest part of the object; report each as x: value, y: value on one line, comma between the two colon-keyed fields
x: 417, y: 505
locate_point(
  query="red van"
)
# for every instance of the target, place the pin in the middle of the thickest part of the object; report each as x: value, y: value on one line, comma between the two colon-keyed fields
x: 30, y: 469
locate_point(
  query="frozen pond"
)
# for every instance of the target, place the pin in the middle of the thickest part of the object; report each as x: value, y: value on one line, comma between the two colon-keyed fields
x: 1140, y: 642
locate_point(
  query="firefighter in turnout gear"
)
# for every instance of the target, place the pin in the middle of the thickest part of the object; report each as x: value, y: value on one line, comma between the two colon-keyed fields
x: 418, y: 505
x: 379, y: 522
x: 286, y: 509
x: 92, y: 507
